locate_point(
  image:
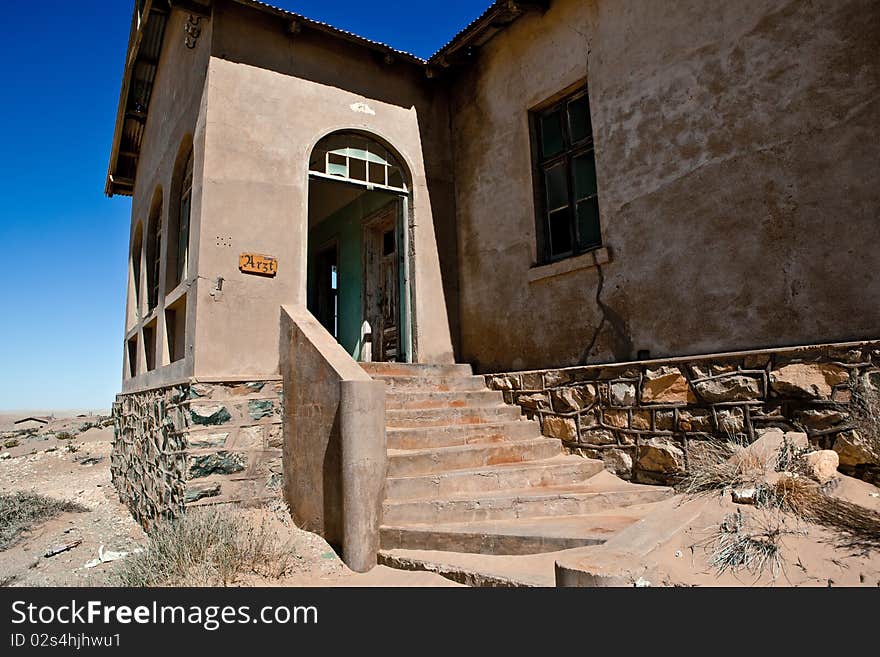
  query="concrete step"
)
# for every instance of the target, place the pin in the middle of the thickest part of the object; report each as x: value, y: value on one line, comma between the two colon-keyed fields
x: 417, y: 370
x: 440, y: 417
x: 515, y: 537
x: 403, y: 463
x: 437, y: 383
x: 412, y: 399
x: 579, y: 499
x: 558, y: 471
x: 461, y: 434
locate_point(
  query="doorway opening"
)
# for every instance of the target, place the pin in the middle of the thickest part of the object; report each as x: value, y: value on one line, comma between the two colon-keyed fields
x: 357, y: 278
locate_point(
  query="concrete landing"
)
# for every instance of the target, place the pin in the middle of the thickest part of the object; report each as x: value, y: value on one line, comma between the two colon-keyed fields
x: 514, y: 537
x: 477, y: 569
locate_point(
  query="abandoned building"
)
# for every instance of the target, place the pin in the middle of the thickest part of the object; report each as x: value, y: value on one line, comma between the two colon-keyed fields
x: 402, y: 292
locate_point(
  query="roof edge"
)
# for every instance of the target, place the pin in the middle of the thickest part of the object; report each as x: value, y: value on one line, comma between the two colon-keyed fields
x: 496, y: 18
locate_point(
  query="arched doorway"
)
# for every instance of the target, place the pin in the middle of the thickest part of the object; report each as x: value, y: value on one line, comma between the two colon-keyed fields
x: 358, y: 269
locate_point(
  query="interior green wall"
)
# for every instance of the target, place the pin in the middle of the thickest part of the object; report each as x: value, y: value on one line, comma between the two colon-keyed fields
x: 345, y: 226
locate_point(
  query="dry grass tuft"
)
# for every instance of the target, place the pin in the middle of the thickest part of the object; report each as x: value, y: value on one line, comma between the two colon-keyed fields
x: 720, y: 464
x: 20, y: 511
x: 865, y: 408
x: 752, y: 545
x: 855, y: 527
x: 217, y: 546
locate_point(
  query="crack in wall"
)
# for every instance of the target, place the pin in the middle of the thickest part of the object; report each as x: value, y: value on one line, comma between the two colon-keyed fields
x: 621, y: 343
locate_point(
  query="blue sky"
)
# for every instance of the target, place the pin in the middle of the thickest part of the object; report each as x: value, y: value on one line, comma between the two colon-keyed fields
x: 64, y: 244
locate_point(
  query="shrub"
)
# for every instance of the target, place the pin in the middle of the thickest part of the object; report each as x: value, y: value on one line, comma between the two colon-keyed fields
x: 214, y: 546
x: 20, y: 511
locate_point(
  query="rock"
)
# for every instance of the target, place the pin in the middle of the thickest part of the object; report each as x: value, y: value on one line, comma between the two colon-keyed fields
x: 696, y: 420
x: 744, y: 495
x: 756, y: 361
x: 563, y: 428
x: 539, y: 401
x: 532, y: 381
x: 623, y: 394
x: 665, y: 385
x: 275, y: 437
x: 598, y: 437
x: 241, y: 389
x: 555, y: 378
x: 203, y: 465
x: 664, y: 420
x: 210, y: 415
x: 730, y: 420
x: 823, y: 465
x: 811, y: 380
x: 852, y: 449
x: 503, y: 383
x: 249, y: 438
x: 195, y: 492
x: 659, y: 455
x: 618, y: 419
x: 590, y: 419
x: 5, y: 455
x: 617, y: 461
x: 821, y: 419
x: 572, y: 398
x: 729, y: 389
x: 641, y: 420
x: 196, y: 440
x: 260, y: 408
x: 763, y: 453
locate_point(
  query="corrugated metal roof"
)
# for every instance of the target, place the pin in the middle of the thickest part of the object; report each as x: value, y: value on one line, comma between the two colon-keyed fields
x: 495, y: 18
x: 330, y: 29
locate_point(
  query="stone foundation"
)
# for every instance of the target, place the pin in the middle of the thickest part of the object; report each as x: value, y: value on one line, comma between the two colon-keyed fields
x: 644, y: 419
x: 196, y: 444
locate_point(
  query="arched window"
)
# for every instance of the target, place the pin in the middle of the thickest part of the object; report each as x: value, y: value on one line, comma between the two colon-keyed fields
x: 137, y: 245
x: 178, y: 229
x: 154, y: 251
x: 353, y: 157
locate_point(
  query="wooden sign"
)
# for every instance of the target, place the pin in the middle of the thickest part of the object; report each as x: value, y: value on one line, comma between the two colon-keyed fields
x: 254, y: 263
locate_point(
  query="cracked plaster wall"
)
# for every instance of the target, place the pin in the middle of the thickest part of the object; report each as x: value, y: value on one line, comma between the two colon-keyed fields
x: 734, y: 147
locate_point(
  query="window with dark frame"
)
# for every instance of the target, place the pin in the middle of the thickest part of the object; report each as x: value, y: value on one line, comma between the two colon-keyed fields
x: 568, y: 217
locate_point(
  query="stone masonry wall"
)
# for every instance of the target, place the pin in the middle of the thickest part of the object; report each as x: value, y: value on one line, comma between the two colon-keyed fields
x: 644, y: 419
x: 194, y: 444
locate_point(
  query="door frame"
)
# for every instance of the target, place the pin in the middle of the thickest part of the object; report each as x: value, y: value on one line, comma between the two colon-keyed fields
x: 404, y: 291
x: 407, y: 293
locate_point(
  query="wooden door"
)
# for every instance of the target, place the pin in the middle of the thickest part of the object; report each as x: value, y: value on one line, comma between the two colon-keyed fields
x: 382, y: 285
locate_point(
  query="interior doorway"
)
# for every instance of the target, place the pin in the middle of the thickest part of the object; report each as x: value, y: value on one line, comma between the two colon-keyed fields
x: 358, y: 279
x: 381, y: 293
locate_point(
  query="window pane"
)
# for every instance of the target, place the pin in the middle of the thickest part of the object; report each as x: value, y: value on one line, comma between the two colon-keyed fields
x: 560, y: 232
x: 357, y: 169
x: 588, y: 223
x: 395, y: 178
x: 556, y: 181
x: 579, y: 119
x: 551, y: 134
x: 584, y: 176
x: 337, y: 165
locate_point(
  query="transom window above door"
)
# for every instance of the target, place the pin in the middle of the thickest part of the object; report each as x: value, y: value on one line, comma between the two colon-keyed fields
x: 357, y: 159
x: 565, y: 179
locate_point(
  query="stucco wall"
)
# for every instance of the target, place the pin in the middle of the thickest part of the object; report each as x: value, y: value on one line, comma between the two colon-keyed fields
x: 736, y: 150
x: 271, y: 96
x: 174, y: 119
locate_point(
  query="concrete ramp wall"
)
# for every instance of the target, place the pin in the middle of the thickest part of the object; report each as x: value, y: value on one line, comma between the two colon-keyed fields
x: 334, y: 449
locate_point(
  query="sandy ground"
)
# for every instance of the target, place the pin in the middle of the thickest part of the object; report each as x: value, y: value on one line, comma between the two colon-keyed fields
x: 78, y: 470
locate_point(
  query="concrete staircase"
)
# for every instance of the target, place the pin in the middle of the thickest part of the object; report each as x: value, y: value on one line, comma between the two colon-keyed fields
x: 467, y: 473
